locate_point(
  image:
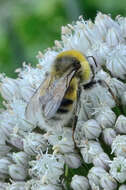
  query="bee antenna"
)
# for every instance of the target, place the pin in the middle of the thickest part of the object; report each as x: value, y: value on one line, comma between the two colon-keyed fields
x: 93, y: 60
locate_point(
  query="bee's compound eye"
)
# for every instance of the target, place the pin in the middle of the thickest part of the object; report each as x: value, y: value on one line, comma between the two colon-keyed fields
x: 76, y: 64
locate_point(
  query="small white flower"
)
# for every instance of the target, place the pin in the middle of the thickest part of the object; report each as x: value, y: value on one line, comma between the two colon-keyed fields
x: 21, y: 158
x: 18, y: 109
x: 89, y: 150
x: 4, y: 149
x: 109, y: 135
x: 113, y: 37
x: 9, y: 89
x: 118, y: 169
x: 90, y: 129
x: 46, y: 60
x: 95, y: 174
x: 79, y: 183
x: 102, y: 160
x: 33, y: 141
x: 105, y: 116
x: 7, y: 122
x: 4, y: 164
x: 120, y: 125
x: 98, y: 95
x: 122, y: 21
x: 61, y: 139
x: 17, y: 172
x: 117, y: 87
x: 119, y: 145
x: 75, y: 41
x: 35, y: 184
x: 115, y: 61
x: 104, y: 22
x: 73, y: 160
x: 48, y: 168
x: 86, y: 110
x: 107, y: 182
x: 16, y: 141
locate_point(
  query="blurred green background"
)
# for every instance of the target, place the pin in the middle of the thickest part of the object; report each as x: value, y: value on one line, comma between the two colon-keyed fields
x: 29, y: 26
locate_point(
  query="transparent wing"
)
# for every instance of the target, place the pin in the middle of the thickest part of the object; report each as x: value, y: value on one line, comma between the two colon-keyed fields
x: 51, y: 100
x: 33, y: 106
x: 48, y: 96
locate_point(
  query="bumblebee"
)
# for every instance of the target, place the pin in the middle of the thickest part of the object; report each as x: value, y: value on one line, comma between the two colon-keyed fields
x: 57, y: 95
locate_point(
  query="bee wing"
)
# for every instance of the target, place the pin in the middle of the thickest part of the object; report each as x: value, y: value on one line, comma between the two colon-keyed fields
x: 33, y: 106
x: 52, y: 99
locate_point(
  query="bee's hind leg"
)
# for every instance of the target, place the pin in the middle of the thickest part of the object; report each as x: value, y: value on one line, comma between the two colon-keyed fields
x: 75, y: 119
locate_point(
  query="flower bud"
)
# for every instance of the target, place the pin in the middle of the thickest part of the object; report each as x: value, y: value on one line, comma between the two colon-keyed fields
x: 90, y: 150
x: 115, y: 62
x: 91, y: 129
x: 21, y: 158
x: 112, y: 37
x: 36, y: 184
x: 16, y: 141
x: 103, y: 22
x: 117, y: 87
x: 98, y: 96
x: 95, y: 174
x: 106, y: 117
x: 9, y: 88
x: 79, y: 183
x: 119, y: 145
x: 120, y: 125
x: 122, y: 187
x: 122, y: 22
x: 17, y: 172
x: 4, y: 149
x: 109, y: 135
x: 32, y: 142
x: 4, y: 164
x: 118, y: 169
x: 73, y: 160
x: 62, y: 140
x: 107, y: 182
x: 3, y: 138
x: 101, y: 160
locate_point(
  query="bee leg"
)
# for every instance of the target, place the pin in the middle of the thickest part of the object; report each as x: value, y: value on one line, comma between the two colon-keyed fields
x: 75, y: 116
x: 92, y: 69
x: 90, y: 84
x: 103, y: 83
x: 73, y: 129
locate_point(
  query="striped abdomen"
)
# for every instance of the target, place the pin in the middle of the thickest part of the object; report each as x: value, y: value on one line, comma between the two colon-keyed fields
x: 69, y: 98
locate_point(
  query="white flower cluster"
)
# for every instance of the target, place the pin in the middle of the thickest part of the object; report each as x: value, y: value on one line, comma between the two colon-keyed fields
x: 35, y: 157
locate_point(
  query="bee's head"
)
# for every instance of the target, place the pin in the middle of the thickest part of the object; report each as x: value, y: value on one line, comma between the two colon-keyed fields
x: 74, y: 60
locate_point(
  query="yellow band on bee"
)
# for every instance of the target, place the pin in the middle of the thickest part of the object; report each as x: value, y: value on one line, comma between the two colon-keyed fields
x: 72, y: 90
